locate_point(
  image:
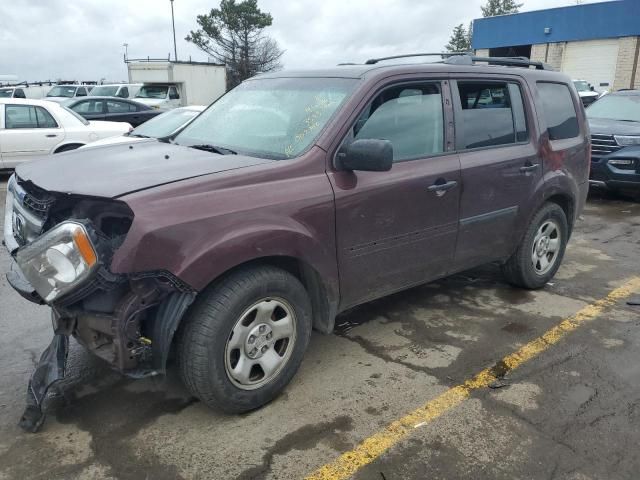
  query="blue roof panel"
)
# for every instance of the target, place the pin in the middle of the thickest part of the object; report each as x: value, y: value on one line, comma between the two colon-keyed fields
x: 617, y: 18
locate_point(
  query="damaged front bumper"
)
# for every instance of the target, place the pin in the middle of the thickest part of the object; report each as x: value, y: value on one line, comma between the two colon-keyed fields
x: 135, y: 338
x: 128, y: 320
x: 49, y: 371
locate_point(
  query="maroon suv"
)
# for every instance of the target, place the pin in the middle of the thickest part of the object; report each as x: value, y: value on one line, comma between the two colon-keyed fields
x: 293, y: 197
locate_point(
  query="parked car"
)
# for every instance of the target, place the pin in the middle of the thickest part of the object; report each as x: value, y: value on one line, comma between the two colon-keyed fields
x: 62, y: 93
x: 121, y: 90
x: 12, y: 92
x: 587, y: 93
x: 162, y: 126
x: 113, y: 109
x: 615, y: 141
x: 159, y: 96
x: 33, y: 128
x: 24, y: 90
x: 295, y: 196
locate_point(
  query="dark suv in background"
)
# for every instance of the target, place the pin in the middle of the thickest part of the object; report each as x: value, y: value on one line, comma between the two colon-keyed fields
x: 294, y: 197
x: 615, y: 141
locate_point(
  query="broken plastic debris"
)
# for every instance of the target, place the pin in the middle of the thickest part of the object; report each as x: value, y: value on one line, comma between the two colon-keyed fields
x: 498, y: 384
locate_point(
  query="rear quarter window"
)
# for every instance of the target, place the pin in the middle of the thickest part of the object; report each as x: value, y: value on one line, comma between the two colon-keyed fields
x: 558, y: 110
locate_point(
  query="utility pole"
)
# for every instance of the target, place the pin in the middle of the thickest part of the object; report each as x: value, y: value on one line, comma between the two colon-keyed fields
x: 173, y: 23
x: 126, y: 51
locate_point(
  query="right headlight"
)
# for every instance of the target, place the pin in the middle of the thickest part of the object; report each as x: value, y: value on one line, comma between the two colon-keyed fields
x: 59, y: 260
x: 627, y: 140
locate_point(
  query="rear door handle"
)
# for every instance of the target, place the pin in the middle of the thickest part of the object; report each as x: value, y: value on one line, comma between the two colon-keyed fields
x: 441, y: 187
x: 51, y: 135
x: 529, y: 168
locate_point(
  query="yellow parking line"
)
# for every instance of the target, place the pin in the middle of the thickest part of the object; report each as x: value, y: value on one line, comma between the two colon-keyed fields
x: 373, y: 447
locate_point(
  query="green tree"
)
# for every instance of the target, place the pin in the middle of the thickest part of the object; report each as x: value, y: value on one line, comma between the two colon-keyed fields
x: 233, y: 35
x: 459, y: 41
x: 500, y: 7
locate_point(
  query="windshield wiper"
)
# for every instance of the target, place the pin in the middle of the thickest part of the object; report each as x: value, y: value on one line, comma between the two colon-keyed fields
x: 627, y: 120
x: 213, y: 148
x: 139, y: 135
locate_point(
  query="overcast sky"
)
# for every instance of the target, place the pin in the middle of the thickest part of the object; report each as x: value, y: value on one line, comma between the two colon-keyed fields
x: 83, y: 40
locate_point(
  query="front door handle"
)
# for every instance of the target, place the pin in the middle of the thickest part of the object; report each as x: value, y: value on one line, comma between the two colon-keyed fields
x: 441, y: 186
x: 51, y: 135
x: 528, y: 167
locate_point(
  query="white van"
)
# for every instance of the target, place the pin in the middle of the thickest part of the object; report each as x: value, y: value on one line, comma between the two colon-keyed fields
x: 24, y: 91
x: 158, y: 95
x: 121, y: 90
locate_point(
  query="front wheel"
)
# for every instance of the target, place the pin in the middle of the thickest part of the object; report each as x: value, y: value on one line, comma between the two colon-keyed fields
x: 540, y: 253
x: 244, y: 339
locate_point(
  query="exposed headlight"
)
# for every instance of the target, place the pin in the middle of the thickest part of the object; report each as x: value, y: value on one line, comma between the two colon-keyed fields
x: 59, y: 261
x: 627, y: 140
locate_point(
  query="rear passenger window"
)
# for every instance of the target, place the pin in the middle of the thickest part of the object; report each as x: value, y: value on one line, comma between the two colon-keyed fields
x: 120, y: 107
x: 410, y: 117
x: 45, y: 120
x: 559, y: 110
x: 492, y: 114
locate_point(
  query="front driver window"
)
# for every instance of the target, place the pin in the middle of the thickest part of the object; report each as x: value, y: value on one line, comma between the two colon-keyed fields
x: 409, y: 116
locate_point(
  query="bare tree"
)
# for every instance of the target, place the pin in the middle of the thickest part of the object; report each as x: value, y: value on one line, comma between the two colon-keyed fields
x: 233, y: 35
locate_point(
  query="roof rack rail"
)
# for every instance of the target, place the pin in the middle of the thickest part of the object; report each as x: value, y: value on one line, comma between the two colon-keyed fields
x: 504, y: 61
x: 465, y: 58
x: 373, y: 61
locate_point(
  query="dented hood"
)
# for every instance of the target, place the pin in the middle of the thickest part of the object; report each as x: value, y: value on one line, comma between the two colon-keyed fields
x: 115, y: 170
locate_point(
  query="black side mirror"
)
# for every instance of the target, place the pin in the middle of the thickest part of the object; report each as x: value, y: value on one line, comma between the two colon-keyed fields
x: 369, y: 155
x: 592, y: 88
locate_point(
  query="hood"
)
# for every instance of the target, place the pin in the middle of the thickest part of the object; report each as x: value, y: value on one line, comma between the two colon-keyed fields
x: 151, y: 101
x: 115, y: 170
x: 58, y: 99
x: 603, y: 126
x: 117, y: 140
x: 110, y: 126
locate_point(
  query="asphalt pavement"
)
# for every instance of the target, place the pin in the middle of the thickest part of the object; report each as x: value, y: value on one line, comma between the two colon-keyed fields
x: 568, y: 410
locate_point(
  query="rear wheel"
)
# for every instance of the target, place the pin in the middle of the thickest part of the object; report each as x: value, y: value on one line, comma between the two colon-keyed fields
x: 540, y: 253
x: 245, y: 338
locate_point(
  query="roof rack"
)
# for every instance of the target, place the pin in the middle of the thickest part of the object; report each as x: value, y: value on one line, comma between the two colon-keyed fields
x: 504, y: 61
x: 464, y: 58
x: 373, y: 61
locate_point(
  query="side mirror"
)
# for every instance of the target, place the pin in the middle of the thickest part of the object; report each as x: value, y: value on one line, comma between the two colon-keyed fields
x: 368, y: 155
x: 592, y: 88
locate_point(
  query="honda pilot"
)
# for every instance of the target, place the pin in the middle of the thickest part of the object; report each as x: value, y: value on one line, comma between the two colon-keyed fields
x: 295, y: 196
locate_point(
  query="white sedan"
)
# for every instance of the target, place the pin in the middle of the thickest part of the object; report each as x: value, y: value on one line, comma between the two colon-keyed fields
x: 162, y: 126
x: 32, y: 128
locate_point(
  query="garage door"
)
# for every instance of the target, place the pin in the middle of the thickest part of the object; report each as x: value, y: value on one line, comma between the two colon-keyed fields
x: 593, y: 61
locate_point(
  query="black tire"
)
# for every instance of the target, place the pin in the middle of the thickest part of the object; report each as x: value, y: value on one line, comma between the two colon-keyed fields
x: 208, y: 326
x: 68, y: 148
x: 519, y: 270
